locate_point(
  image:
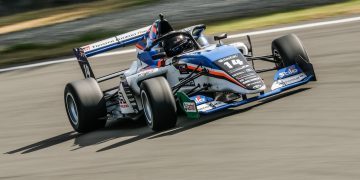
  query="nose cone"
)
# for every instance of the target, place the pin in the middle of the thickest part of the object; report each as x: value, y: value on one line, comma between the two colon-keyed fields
x: 252, y: 82
x: 237, y: 67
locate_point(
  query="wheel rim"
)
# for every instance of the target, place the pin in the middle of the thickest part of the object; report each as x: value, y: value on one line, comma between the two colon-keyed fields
x: 72, y: 109
x: 278, y: 59
x: 147, y: 107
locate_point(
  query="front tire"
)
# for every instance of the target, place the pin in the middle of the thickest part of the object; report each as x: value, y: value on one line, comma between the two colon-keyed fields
x: 287, y: 49
x: 158, y: 104
x: 85, y: 105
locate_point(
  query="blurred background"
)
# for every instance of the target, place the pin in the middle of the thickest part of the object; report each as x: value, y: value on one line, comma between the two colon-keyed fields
x: 311, y: 132
x: 33, y: 30
x: 9, y: 7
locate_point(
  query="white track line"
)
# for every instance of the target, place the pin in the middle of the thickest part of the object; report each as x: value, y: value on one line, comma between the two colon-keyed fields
x: 303, y: 26
x: 64, y: 60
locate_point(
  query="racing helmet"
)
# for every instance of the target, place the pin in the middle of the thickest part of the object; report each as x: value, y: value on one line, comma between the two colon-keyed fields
x: 177, y: 45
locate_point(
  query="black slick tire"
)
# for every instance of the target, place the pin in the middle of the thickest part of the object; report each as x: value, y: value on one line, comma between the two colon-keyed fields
x: 85, y: 105
x: 158, y: 103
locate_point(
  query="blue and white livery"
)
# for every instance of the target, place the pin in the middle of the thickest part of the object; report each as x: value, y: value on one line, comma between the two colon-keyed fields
x: 181, y: 70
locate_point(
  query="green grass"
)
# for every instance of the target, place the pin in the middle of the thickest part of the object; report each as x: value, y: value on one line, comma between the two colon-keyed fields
x: 23, y: 53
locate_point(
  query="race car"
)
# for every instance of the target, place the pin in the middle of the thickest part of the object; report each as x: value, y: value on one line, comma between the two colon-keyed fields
x: 180, y: 71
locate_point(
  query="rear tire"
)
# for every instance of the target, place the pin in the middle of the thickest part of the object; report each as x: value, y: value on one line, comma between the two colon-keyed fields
x: 85, y: 105
x: 287, y: 49
x: 158, y: 103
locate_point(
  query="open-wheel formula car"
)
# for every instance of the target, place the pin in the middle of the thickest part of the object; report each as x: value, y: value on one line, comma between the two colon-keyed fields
x: 181, y: 70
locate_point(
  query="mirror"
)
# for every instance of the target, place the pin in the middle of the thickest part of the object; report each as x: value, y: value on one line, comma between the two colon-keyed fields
x: 158, y: 55
x: 219, y: 37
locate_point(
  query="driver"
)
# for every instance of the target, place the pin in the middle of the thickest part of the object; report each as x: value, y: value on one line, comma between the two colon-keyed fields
x: 177, y: 45
x: 158, y: 28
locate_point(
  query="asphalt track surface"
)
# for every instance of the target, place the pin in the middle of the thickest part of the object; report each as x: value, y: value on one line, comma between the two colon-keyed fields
x: 311, y: 132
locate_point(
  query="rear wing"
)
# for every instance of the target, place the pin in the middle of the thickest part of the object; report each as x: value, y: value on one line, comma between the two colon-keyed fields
x: 83, y: 53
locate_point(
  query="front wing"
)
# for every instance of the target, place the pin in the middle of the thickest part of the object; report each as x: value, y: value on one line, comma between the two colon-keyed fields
x: 193, y: 108
x: 261, y: 96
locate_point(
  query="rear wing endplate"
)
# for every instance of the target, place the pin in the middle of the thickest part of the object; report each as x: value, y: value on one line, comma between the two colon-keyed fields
x: 83, y: 53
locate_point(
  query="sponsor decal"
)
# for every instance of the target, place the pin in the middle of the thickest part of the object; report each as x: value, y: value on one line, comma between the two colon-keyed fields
x: 99, y: 44
x: 81, y: 52
x: 86, y: 71
x: 239, y: 73
x: 232, y: 62
x: 103, y: 43
x: 210, y: 105
x: 86, y: 48
x: 249, y: 70
x: 257, y: 86
x: 204, y: 107
x: 235, y: 70
x: 287, y: 81
x: 287, y: 71
x: 122, y: 101
x: 145, y: 72
x: 80, y: 55
x: 249, y: 75
x: 132, y: 34
x: 290, y: 71
x: 238, y: 67
x: 254, y: 83
x: 228, y: 58
x: 189, y: 106
x: 199, y: 99
x: 116, y: 39
x: 251, y: 80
